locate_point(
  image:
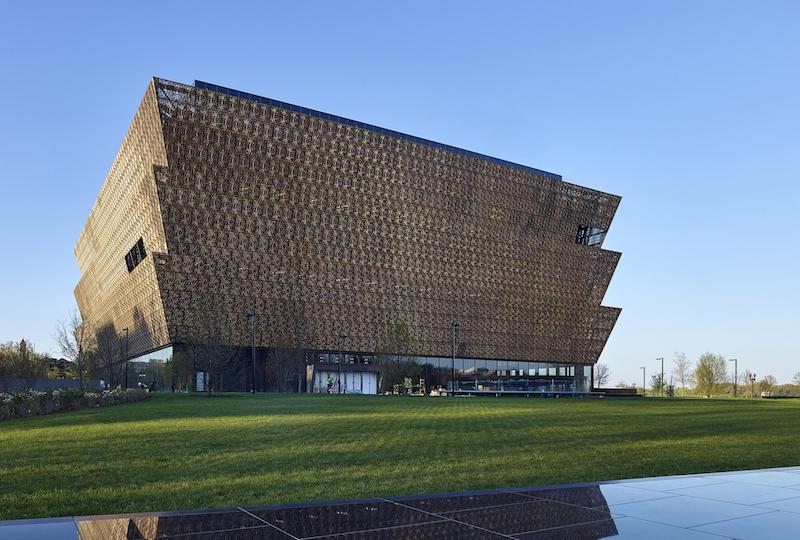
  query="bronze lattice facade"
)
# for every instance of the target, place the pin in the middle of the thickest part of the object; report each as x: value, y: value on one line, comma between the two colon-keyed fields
x: 288, y: 212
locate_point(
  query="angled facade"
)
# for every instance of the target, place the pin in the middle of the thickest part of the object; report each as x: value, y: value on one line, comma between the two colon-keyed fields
x: 343, y: 229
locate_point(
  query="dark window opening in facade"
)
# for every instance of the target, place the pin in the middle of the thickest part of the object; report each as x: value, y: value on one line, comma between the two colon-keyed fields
x: 135, y: 255
x: 590, y: 236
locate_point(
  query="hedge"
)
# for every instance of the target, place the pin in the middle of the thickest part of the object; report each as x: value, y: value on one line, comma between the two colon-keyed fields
x: 34, y: 402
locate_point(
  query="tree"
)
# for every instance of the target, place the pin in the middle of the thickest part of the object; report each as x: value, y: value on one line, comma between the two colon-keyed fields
x: 6, y: 354
x: 767, y: 383
x: 746, y: 383
x: 178, y: 371
x: 670, y: 388
x: 61, y: 368
x: 710, y: 371
x: 108, y: 356
x: 21, y: 361
x: 207, y: 343
x: 601, y: 375
x: 657, y: 383
x: 73, y: 337
x: 395, y: 356
x: 796, y: 379
x: 286, y: 361
x: 622, y: 384
x: 743, y: 383
x: 284, y: 368
x: 683, y: 370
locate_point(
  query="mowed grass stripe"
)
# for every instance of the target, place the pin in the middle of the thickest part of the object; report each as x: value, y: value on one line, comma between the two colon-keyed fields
x: 190, y: 451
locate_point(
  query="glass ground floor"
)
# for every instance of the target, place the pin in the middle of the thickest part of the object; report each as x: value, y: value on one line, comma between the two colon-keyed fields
x: 467, y: 375
x: 470, y: 375
x: 320, y: 371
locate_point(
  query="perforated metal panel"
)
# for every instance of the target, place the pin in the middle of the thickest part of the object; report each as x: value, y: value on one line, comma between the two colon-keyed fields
x: 126, y: 210
x: 302, y: 215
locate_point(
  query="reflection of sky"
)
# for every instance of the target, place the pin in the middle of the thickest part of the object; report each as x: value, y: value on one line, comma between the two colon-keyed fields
x: 161, y: 355
x: 746, y: 504
x: 621, y: 494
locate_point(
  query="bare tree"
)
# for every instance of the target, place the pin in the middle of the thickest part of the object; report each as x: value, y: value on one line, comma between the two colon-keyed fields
x: 767, y: 383
x: 109, y: 354
x: 657, y: 383
x: 284, y: 365
x: 601, y: 375
x: 73, y: 338
x: 207, y: 341
x: 395, y: 356
x: 683, y: 370
x: 286, y: 360
x: 745, y: 381
x: 710, y: 372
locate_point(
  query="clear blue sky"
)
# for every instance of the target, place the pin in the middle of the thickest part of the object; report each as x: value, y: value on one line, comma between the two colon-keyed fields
x: 689, y: 110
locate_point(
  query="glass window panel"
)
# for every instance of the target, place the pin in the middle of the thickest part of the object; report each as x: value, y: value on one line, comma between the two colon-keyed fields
x: 469, y: 367
x: 480, y: 367
x: 459, y: 366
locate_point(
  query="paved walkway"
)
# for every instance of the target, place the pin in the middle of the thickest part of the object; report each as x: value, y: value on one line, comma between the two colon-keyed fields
x: 744, y: 504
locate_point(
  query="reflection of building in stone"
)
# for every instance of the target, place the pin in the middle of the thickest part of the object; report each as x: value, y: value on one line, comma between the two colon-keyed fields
x: 569, y: 513
x: 324, y: 227
x: 219, y: 523
x: 118, y: 528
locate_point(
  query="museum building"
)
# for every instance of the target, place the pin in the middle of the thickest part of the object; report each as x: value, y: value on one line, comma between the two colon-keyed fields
x: 303, y: 238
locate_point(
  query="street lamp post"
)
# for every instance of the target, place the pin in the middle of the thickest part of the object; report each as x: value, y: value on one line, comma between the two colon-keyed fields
x: 126, y: 357
x: 752, y: 385
x: 453, y: 332
x: 252, y: 317
x: 735, y: 374
x: 340, y: 340
x: 644, y: 388
x: 663, y: 382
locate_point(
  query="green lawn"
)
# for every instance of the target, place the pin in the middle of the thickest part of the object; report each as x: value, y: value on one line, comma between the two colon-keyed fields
x: 184, y: 451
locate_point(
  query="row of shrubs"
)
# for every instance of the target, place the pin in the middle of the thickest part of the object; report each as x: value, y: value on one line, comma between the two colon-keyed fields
x: 33, y: 402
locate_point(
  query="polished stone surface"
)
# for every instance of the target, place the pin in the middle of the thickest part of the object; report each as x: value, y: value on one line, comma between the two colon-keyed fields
x: 38, y: 529
x: 743, y: 504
